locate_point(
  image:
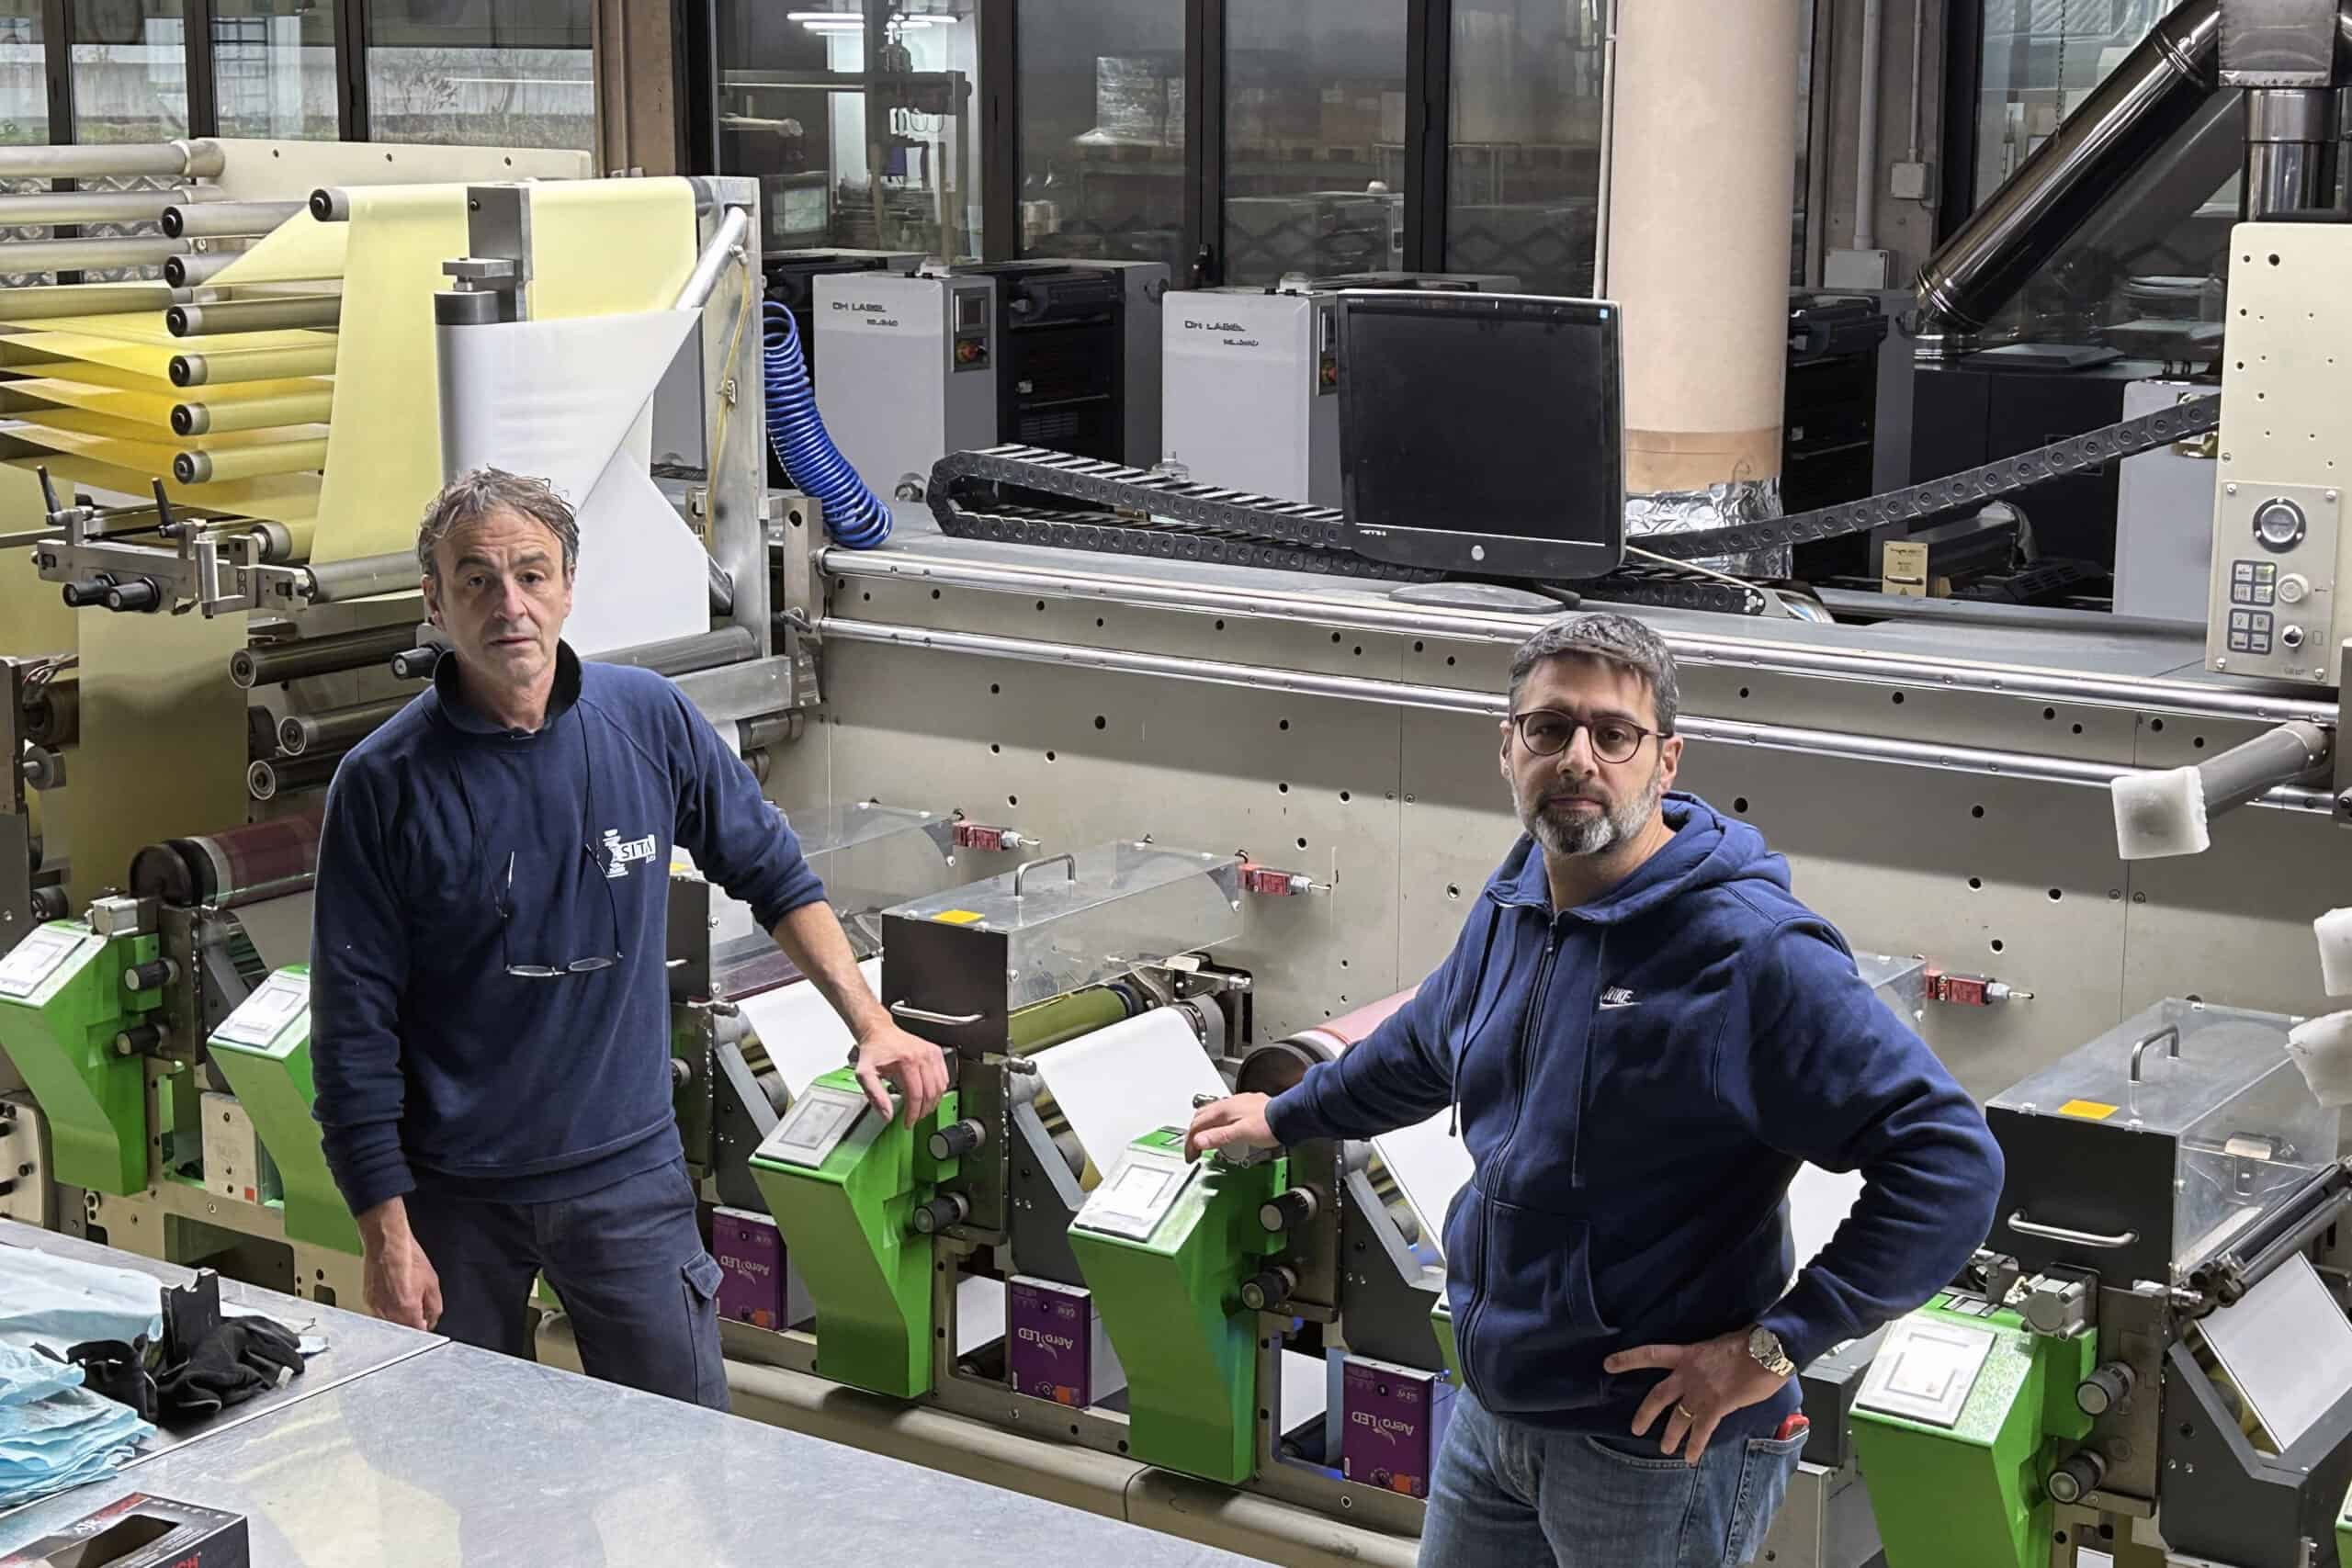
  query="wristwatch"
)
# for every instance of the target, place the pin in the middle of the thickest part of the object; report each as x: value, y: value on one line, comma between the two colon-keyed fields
x: 1765, y: 1346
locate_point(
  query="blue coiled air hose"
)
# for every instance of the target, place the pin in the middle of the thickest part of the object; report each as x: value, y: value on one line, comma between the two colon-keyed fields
x: 853, y: 516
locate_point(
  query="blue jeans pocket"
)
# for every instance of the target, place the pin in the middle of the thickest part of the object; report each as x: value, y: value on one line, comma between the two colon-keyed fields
x: 701, y: 1276
x: 1765, y: 1469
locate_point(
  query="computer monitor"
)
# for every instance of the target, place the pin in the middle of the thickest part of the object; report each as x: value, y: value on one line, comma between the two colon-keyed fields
x: 1483, y: 432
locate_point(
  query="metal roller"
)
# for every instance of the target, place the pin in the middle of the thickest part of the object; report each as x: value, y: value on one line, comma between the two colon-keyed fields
x: 188, y: 271
x: 98, y: 206
x: 271, y: 664
x: 200, y: 159
x: 683, y: 656
x: 363, y: 578
x: 249, y: 462
x: 224, y: 366
x: 219, y: 218
x: 1272, y: 1069
x: 335, y: 730
x: 331, y: 204
x: 319, y: 312
x: 86, y: 255
x: 252, y: 413
x: 224, y: 871
x: 269, y: 779
x: 53, y: 717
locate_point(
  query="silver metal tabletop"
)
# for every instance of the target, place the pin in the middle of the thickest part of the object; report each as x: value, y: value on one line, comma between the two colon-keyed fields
x: 458, y: 1456
x: 357, y: 1343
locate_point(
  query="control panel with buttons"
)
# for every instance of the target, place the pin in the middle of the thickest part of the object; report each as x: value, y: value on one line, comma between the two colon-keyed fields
x: 2283, y: 455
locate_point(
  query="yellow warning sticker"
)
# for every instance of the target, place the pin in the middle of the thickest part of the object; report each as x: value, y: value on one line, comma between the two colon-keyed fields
x: 956, y: 917
x: 2088, y: 1109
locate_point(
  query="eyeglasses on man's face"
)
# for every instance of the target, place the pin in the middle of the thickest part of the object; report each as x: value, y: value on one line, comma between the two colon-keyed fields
x: 1547, y: 732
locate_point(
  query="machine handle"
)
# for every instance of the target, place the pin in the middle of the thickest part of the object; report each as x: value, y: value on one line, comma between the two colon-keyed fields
x: 1020, y: 873
x: 2023, y: 1226
x: 2171, y: 1031
x: 924, y: 1015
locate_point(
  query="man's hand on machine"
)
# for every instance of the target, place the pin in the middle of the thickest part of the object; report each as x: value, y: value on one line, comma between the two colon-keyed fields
x: 399, y: 1281
x: 917, y: 1067
x: 1237, y: 1122
x: 1703, y: 1384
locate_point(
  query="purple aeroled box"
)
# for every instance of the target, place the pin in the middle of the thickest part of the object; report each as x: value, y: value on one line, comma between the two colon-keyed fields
x: 751, y: 1268
x: 1059, y: 1348
x: 1395, y: 1419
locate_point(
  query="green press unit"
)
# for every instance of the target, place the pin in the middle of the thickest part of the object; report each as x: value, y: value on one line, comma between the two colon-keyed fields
x: 2144, y: 1344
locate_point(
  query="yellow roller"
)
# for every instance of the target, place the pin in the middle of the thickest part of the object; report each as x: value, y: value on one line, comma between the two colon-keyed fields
x: 292, y: 499
x: 200, y: 418
x: 217, y: 463
x: 153, y: 357
x: 228, y: 367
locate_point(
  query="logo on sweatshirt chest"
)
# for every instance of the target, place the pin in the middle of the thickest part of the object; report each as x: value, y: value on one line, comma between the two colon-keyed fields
x: 620, y: 856
x: 1617, y: 997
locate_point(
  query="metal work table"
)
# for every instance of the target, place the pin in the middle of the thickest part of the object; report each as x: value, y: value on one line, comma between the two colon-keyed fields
x: 457, y: 1455
x: 402, y: 1441
x: 356, y: 1344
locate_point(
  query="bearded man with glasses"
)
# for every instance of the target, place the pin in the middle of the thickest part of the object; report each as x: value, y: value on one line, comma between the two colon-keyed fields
x: 1643, y: 1034
x: 489, y: 990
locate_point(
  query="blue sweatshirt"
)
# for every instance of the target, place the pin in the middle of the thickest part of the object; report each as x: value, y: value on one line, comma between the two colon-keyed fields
x: 1638, y: 1081
x: 435, y: 1066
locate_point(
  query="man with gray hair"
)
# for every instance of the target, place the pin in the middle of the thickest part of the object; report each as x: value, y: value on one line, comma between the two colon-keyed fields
x: 490, y: 1002
x: 1642, y: 1035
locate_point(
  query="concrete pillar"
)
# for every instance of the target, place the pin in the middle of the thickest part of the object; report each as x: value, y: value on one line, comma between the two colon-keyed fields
x: 1701, y: 196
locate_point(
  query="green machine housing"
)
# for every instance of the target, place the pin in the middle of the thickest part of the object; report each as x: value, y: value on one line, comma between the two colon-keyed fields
x: 1965, y: 1415
x: 264, y: 1050
x: 854, y: 1195
x: 72, y: 998
x: 1174, y: 1253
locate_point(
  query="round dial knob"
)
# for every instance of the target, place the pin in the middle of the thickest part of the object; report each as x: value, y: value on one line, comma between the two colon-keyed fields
x: 2278, y: 525
x: 957, y: 1141
x: 1295, y: 1207
x: 152, y: 975
x: 139, y: 593
x: 2293, y: 590
x: 2291, y: 637
x: 2104, y: 1389
x: 2078, y: 1477
x: 947, y: 1209
x: 1268, y: 1287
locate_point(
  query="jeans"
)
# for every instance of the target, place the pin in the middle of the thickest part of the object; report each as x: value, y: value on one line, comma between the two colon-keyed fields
x: 627, y: 1262
x: 1510, y: 1496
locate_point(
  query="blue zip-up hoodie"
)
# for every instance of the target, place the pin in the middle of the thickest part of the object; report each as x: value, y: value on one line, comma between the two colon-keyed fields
x: 1638, y: 1081
x: 433, y: 1064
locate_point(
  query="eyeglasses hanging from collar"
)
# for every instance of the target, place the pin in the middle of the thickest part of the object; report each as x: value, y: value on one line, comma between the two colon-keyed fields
x: 574, y: 967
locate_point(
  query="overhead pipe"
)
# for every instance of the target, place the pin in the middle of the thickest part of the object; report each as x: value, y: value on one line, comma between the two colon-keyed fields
x: 2289, y: 150
x: 200, y: 159
x: 1866, y: 150
x: 2157, y: 90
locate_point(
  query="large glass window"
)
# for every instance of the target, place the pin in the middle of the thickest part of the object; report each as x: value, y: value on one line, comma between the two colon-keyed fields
x: 24, y: 74
x: 129, y: 63
x: 1525, y: 171
x: 860, y: 121
x: 2042, y: 58
x: 2148, y: 270
x: 481, y: 73
x: 1314, y: 137
x: 1102, y: 96
x: 273, y: 67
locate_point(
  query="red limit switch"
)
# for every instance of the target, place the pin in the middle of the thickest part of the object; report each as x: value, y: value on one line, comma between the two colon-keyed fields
x: 977, y: 836
x: 1272, y: 884
x: 1971, y: 990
